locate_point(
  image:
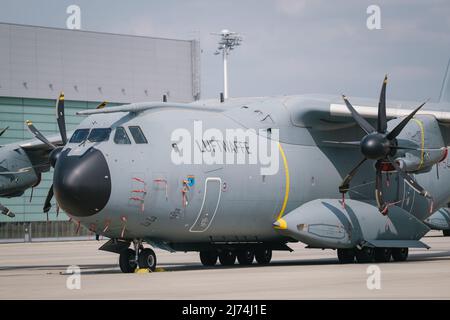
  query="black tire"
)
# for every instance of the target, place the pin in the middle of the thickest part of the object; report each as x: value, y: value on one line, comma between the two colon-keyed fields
x: 208, y: 258
x: 400, y: 254
x: 227, y: 258
x: 446, y: 233
x: 127, y: 261
x: 147, y: 259
x: 365, y: 255
x: 383, y: 254
x: 263, y: 255
x: 346, y: 255
x: 245, y: 256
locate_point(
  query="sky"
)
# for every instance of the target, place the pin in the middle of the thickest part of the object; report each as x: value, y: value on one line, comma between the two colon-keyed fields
x: 289, y: 47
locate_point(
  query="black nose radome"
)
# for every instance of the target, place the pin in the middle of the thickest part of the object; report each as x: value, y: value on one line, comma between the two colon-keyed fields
x: 82, y: 184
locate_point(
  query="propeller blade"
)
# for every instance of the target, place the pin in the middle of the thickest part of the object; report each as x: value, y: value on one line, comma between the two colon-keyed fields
x: 416, y: 149
x: 382, y: 206
x: 347, y: 143
x: 345, y: 185
x: 366, y: 126
x: 21, y: 170
x: 60, y: 118
x: 410, y: 181
x: 3, y: 131
x: 38, y: 134
x: 382, y: 120
x: 102, y: 105
x: 4, y: 210
x: 396, y: 131
x: 47, y: 203
x: 24, y: 170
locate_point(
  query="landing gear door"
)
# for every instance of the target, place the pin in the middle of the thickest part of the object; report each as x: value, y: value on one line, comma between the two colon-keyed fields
x: 210, y: 204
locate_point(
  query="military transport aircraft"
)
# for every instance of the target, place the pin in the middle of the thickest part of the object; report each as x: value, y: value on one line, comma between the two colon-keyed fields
x: 358, y: 178
x: 22, y: 163
x: 21, y: 167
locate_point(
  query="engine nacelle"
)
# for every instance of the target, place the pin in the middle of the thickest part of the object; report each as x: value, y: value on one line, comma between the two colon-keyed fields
x: 440, y: 220
x: 324, y: 223
x: 424, y: 134
x: 14, y: 184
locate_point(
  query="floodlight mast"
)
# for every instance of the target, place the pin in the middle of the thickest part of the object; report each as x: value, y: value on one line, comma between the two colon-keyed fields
x: 228, y: 41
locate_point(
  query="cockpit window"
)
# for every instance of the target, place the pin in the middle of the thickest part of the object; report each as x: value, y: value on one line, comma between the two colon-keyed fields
x: 99, y: 134
x: 79, y: 135
x: 121, y: 137
x: 137, y: 134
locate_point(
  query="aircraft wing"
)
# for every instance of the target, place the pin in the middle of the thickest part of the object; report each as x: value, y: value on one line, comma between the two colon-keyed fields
x: 37, y: 152
x: 144, y: 106
x: 34, y: 144
x: 340, y: 110
x: 324, y: 112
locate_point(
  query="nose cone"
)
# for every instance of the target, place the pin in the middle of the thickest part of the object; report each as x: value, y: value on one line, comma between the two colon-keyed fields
x: 375, y: 146
x: 82, y: 184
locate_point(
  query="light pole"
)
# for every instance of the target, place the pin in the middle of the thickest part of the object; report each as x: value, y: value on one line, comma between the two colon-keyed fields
x: 228, y: 41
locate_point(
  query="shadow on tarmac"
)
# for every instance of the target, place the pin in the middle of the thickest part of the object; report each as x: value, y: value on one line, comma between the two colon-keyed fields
x: 88, y: 269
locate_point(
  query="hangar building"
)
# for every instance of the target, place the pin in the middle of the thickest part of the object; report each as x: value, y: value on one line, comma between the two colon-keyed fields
x: 36, y: 63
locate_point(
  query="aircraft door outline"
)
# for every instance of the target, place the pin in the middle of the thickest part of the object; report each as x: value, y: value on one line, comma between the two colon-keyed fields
x: 202, y: 223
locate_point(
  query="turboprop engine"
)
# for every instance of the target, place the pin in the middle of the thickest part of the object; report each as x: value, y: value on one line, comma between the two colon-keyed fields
x: 423, y: 144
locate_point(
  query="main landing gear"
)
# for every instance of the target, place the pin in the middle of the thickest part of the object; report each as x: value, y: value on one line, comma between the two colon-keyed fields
x: 368, y: 254
x: 227, y: 257
x: 130, y: 260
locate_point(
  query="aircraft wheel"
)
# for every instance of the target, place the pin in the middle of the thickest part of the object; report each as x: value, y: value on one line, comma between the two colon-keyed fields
x: 446, y: 233
x: 383, y: 254
x: 400, y: 254
x: 147, y: 259
x: 263, y: 255
x: 227, y: 258
x: 208, y: 258
x: 245, y: 256
x: 346, y: 255
x: 365, y: 255
x: 127, y: 261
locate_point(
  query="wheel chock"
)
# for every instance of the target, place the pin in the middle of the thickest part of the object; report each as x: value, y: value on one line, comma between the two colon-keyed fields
x: 147, y: 270
x: 142, y: 270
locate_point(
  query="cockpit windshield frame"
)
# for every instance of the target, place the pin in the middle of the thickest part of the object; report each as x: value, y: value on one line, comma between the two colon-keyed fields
x: 79, y: 135
x: 99, y: 135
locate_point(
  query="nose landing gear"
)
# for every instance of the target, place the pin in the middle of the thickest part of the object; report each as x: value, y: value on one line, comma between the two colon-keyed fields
x: 127, y: 261
x: 147, y: 259
x: 144, y: 258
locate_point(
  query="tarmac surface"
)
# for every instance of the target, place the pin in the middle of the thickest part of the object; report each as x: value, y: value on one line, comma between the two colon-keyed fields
x: 39, y: 271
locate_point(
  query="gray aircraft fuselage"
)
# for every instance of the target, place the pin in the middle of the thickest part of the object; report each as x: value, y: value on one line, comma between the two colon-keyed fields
x: 135, y: 190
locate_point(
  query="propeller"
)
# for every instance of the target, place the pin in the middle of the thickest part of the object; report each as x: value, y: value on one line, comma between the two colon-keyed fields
x: 60, y: 119
x: 380, y: 145
x: 102, y: 105
x: 56, y: 150
x: 3, y: 131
